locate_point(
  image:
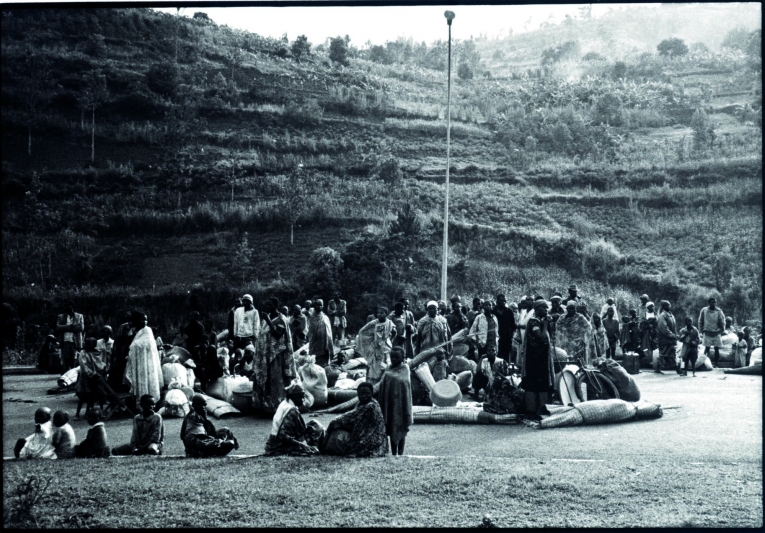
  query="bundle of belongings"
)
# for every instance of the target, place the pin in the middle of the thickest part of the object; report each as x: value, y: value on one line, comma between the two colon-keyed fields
x: 228, y: 393
x: 598, y: 412
x: 625, y: 384
x: 67, y: 382
x: 176, y: 401
x: 755, y: 364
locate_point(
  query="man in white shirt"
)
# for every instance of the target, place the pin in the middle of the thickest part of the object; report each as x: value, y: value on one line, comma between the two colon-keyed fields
x: 246, y: 324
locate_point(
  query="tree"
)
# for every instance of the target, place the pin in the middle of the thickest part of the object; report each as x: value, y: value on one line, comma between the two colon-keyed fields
x: 241, y: 262
x: 162, y: 78
x: 235, y: 58
x: 92, y: 95
x: 736, y: 39
x: 703, y: 129
x: 389, y: 171
x: 753, y: 52
x: 465, y: 71
x: 202, y: 17
x: 323, y: 271
x: 34, y: 89
x: 608, y: 109
x: 408, y: 221
x: 338, y: 51
x: 555, y: 54
x: 379, y: 54
x: 301, y: 47
x: 673, y: 47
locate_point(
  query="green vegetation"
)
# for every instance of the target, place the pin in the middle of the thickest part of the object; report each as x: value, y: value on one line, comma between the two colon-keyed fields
x: 147, y: 156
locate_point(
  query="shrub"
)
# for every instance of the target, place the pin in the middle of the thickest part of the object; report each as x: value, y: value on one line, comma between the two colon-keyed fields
x: 338, y: 51
x: 389, y: 171
x: 408, y: 222
x: 620, y: 70
x: 673, y: 47
x: 323, y: 271
x: 703, y: 129
x: 301, y: 47
x: 162, y: 78
x: 599, y: 258
x: 465, y: 71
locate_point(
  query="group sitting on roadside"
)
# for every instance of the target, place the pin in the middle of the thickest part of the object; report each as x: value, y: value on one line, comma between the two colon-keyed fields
x: 403, y: 356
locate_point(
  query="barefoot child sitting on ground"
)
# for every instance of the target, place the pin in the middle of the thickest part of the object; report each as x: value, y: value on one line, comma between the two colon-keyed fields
x: 63, y: 435
x: 148, y: 431
x: 94, y: 444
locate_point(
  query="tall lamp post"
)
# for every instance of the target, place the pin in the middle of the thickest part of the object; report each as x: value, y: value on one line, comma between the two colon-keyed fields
x: 449, y: 17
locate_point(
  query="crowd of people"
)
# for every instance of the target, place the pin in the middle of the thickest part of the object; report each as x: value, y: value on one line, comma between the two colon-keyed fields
x: 524, y: 338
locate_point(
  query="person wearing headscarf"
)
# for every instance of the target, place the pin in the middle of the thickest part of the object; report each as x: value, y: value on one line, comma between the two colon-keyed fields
x: 536, y: 360
x: 432, y: 331
x: 289, y: 433
x: 320, y: 335
x: 199, y: 436
x: 144, y: 369
x: 246, y: 323
x: 360, y: 432
x: 648, y: 333
x: 573, y: 334
x: 375, y: 341
x: 442, y: 309
x: 666, y: 328
x: 274, y: 366
x: 613, y: 330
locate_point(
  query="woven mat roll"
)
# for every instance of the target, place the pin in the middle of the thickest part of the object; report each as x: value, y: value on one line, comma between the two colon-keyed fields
x: 336, y: 396
x: 461, y: 414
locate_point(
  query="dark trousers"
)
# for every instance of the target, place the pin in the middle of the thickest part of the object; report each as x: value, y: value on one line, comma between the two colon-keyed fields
x: 68, y: 352
x: 84, y: 450
x: 206, y: 446
x: 19, y: 446
x: 611, y: 353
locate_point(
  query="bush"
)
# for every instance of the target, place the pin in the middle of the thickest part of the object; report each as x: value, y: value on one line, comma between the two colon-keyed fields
x: 323, y: 271
x: 600, y: 258
x: 407, y: 223
x: 301, y: 47
x: 465, y: 71
x: 162, y: 78
x: 338, y: 51
x: 389, y: 171
x: 673, y: 47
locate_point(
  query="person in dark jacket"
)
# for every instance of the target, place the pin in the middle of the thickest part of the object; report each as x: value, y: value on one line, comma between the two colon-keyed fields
x: 95, y: 444
x: 506, y: 327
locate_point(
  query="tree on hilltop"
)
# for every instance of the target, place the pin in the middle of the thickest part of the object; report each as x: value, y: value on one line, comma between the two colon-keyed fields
x: 338, y: 51
x: 673, y: 47
x: 301, y: 47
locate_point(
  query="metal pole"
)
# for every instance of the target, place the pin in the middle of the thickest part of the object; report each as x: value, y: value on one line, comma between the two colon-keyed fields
x: 449, y: 16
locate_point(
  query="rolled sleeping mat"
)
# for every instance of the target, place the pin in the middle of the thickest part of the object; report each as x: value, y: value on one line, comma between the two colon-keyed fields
x: 463, y: 379
x: 423, y: 372
x: 338, y: 396
x: 350, y: 404
x: 745, y: 371
x: 222, y: 336
x: 221, y: 409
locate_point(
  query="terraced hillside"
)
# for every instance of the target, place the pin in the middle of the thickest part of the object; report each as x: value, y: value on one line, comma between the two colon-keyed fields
x: 166, y: 159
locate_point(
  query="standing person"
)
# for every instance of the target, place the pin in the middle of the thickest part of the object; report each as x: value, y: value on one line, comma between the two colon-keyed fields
x: 246, y: 323
x: 148, y: 434
x: 337, y: 309
x: 475, y: 310
x: 105, y: 345
x: 411, y: 329
x: 573, y: 334
x: 729, y: 326
x: 308, y: 309
x: 274, y: 366
x: 749, y: 344
x: 536, y: 360
x: 195, y: 332
x: 381, y: 333
x: 666, y: 329
x: 599, y: 345
x: 404, y: 322
x: 555, y: 312
x: 573, y: 296
x: 433, y: 330
x: 486, y: 331
x: 711, y: 324
x: 63, y: 435
x: 442, y: 308
x: 290, y: 435
x: 611, y: 325
x: 211, y: 334
x: 93, y: 369
x: 738, y: 351
x: 505, y: 327
x: 208, y: 368
x: 143, y: 370
x: 649, y: 333
x: 230, y: 318
x: 298, y: 327
x: 396, y: 400
x: 200, y: 439
x: 49, y: 359
x: 690, y: 338
x: 39, y: 445
x: 320, y: 335
x: 95, y: 443
x: 120, y: 349
x: 630, y: 337
x: 641, y: 310
x: 456, y: 319
x: 70, y: 327
x: 610, y: 304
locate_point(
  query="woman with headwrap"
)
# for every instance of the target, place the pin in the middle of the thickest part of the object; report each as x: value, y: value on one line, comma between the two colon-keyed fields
x: 320, y: 335
x: 274, y: 366
x: 649, y: 333
x: 289, y: 433
x: 432, y: 331
x: 360, y: 432
x: 536, y: 361
x: 573, y: 334
x: 143, y: 370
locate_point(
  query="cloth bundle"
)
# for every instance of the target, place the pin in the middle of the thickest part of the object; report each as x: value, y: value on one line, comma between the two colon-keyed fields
x: 223, y: 387
x: 726, y: 351
x: 756, y: 357
x: 314, y: 379
x: 702, y: 361
x: 69, y: 377
x: 175, y: 371
x: 220, y: 409
x: 459, y: 364
x: 176, y: 404
x: 462, y: 413
x: 625, y: 384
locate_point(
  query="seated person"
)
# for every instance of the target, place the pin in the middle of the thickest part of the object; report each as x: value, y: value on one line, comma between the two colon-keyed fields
x: 289, y: 433
x: 148, y: 431
x: 94, y: 444
x: 39, y: 445
x: 361, y: 432
x: 206, y: 358
x: 246, y: 365
x: 63, y: 435
x: 200, y: 439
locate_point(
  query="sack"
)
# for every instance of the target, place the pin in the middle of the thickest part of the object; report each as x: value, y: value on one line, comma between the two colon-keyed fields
x: 315, y: 381
x: 625, y: 384
x: 726, y: 351
x: 332, y: 372
x: 308, y: 401
x: 176, y: 403
x: 560, y: 354
x: 460, y: 364
x: 174, y: 371
x: 756, y: 357
x: 69, y: 377
x: 606, y: 411
x: 223, y: 387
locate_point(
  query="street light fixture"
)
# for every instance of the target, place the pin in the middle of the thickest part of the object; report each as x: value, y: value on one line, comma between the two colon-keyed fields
x: 449, y: 17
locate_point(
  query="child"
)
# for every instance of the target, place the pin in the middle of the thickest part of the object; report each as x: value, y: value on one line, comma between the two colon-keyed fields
x: 148, y: 431
x: 689, y: 336
x: 246, y: 366
x: 93, y: 370
x: 94, y: 444
x: 63, y: 435
x: 39, y: 445
x: 396, y: 400
x: 631, y: 334
x: 105, y: 345
x: 739, y: 351
x: 599, y: 347
x: 378, y: 354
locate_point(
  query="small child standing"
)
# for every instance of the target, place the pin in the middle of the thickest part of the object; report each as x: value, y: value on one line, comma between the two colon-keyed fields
x: 63, y: 436
x: 396, y: 400
x: 105, y: 345
x: 92, y: 375
x: 689, y: 336
x: 739, y: 350
x: 94, y: 444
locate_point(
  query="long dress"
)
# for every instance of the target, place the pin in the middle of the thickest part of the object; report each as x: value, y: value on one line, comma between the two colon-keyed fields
x: 376, y: 349
x: 433, y: 332
x: 403, y: 337
x: 536, y: 360
x: 396, y: 401
x: 274, y: 366
x: 366, y: 429
x: 144, y: 370
x: 573, y: 334
x: 320, y: 339
x: 290, y: 435
x: 599, y: 343
x: 120, y: 349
